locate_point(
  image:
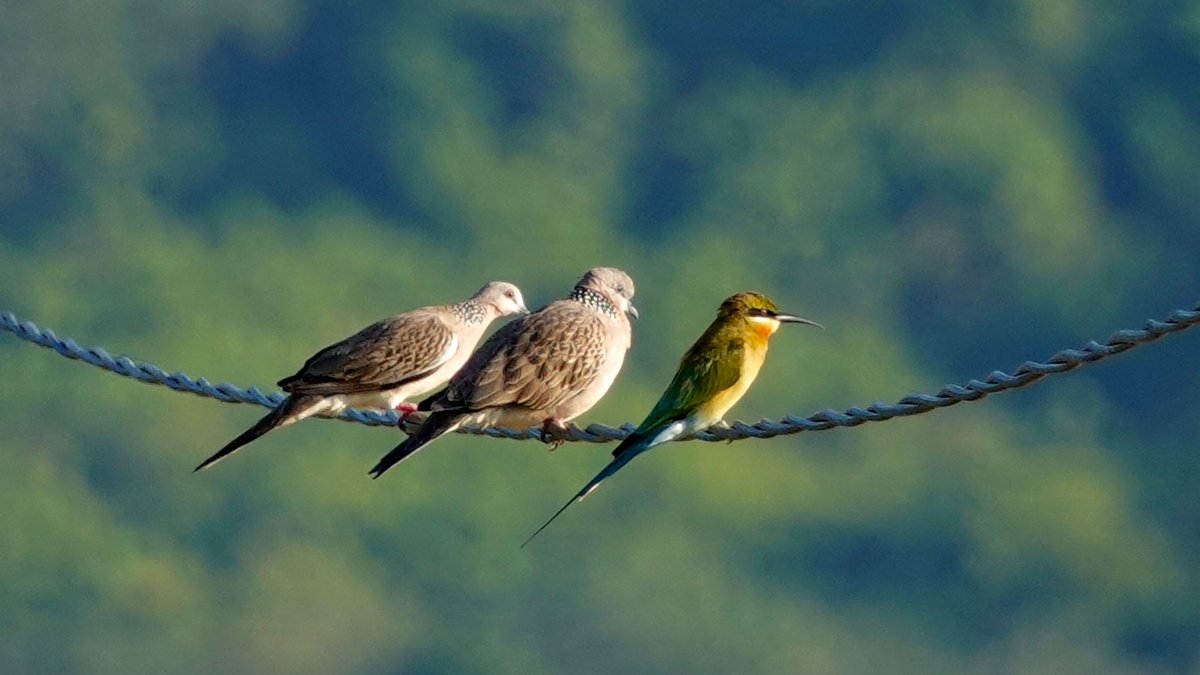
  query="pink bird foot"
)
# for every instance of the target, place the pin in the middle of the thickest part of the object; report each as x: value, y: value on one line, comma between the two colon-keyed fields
x: 410, y: 418
x: 554, y: 433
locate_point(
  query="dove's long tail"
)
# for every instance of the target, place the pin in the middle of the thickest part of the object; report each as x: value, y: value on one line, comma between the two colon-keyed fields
x: 437, y: 424
x: 293, y: 408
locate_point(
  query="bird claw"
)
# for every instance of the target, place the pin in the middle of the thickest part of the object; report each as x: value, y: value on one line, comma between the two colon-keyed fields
x: 408, y: 419
x: 408, y: 422
x: 553, y: 433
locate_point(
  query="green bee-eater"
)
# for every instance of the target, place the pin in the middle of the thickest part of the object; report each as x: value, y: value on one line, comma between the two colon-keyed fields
x: 712, y: 376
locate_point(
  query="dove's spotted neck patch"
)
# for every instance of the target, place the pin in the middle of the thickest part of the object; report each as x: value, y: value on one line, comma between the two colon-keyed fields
x: 594, y: 300
x: 470, y: 312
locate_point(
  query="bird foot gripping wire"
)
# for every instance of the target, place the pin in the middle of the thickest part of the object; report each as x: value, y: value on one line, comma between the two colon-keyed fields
x: 554, y: 433
x: 409, y: 420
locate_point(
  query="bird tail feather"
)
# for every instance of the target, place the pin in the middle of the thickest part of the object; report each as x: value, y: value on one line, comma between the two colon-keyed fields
x: 290, y: 410
x: 614, y: 466
x: 437, y: 424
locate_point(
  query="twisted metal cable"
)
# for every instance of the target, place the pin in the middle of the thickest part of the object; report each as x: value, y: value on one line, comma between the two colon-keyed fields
x: 914, y: 404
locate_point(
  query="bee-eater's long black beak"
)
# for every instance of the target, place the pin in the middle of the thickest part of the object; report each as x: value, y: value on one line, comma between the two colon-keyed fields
x: 632, y: 311
x: 792, y: 318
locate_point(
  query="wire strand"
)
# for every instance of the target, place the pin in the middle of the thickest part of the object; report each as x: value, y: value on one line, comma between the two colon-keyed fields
x: 914, y: 404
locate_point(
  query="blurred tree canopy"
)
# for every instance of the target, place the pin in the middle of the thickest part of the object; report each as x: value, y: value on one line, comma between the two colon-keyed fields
x: 950, y: 187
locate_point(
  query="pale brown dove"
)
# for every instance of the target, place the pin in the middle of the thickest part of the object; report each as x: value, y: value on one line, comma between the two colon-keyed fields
x: 387, y: 363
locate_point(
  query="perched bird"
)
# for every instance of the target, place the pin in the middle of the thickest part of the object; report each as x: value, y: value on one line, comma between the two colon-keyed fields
x: 546, y: 368
x: 713, y: 374
x: 388, y: 362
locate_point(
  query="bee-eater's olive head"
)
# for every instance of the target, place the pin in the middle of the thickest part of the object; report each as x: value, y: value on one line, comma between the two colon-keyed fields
x: 614, y: 285
x: 759, y: 312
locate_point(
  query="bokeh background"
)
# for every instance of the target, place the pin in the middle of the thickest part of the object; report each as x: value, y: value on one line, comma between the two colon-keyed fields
x: 950, y: 187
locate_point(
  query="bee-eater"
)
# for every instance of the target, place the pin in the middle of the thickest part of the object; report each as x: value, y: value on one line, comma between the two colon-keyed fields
x: 714, y: 373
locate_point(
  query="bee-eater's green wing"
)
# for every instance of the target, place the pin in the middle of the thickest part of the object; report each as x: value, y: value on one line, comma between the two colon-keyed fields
x: 705, y: 371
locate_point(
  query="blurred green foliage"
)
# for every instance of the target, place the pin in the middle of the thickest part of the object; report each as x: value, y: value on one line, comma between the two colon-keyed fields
x: 950, y: 187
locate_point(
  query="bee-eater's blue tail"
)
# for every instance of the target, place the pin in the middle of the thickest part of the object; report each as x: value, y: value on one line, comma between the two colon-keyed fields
x: 613, y: 467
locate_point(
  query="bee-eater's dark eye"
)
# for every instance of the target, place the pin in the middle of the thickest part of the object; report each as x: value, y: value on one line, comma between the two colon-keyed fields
x: 758, y: 311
